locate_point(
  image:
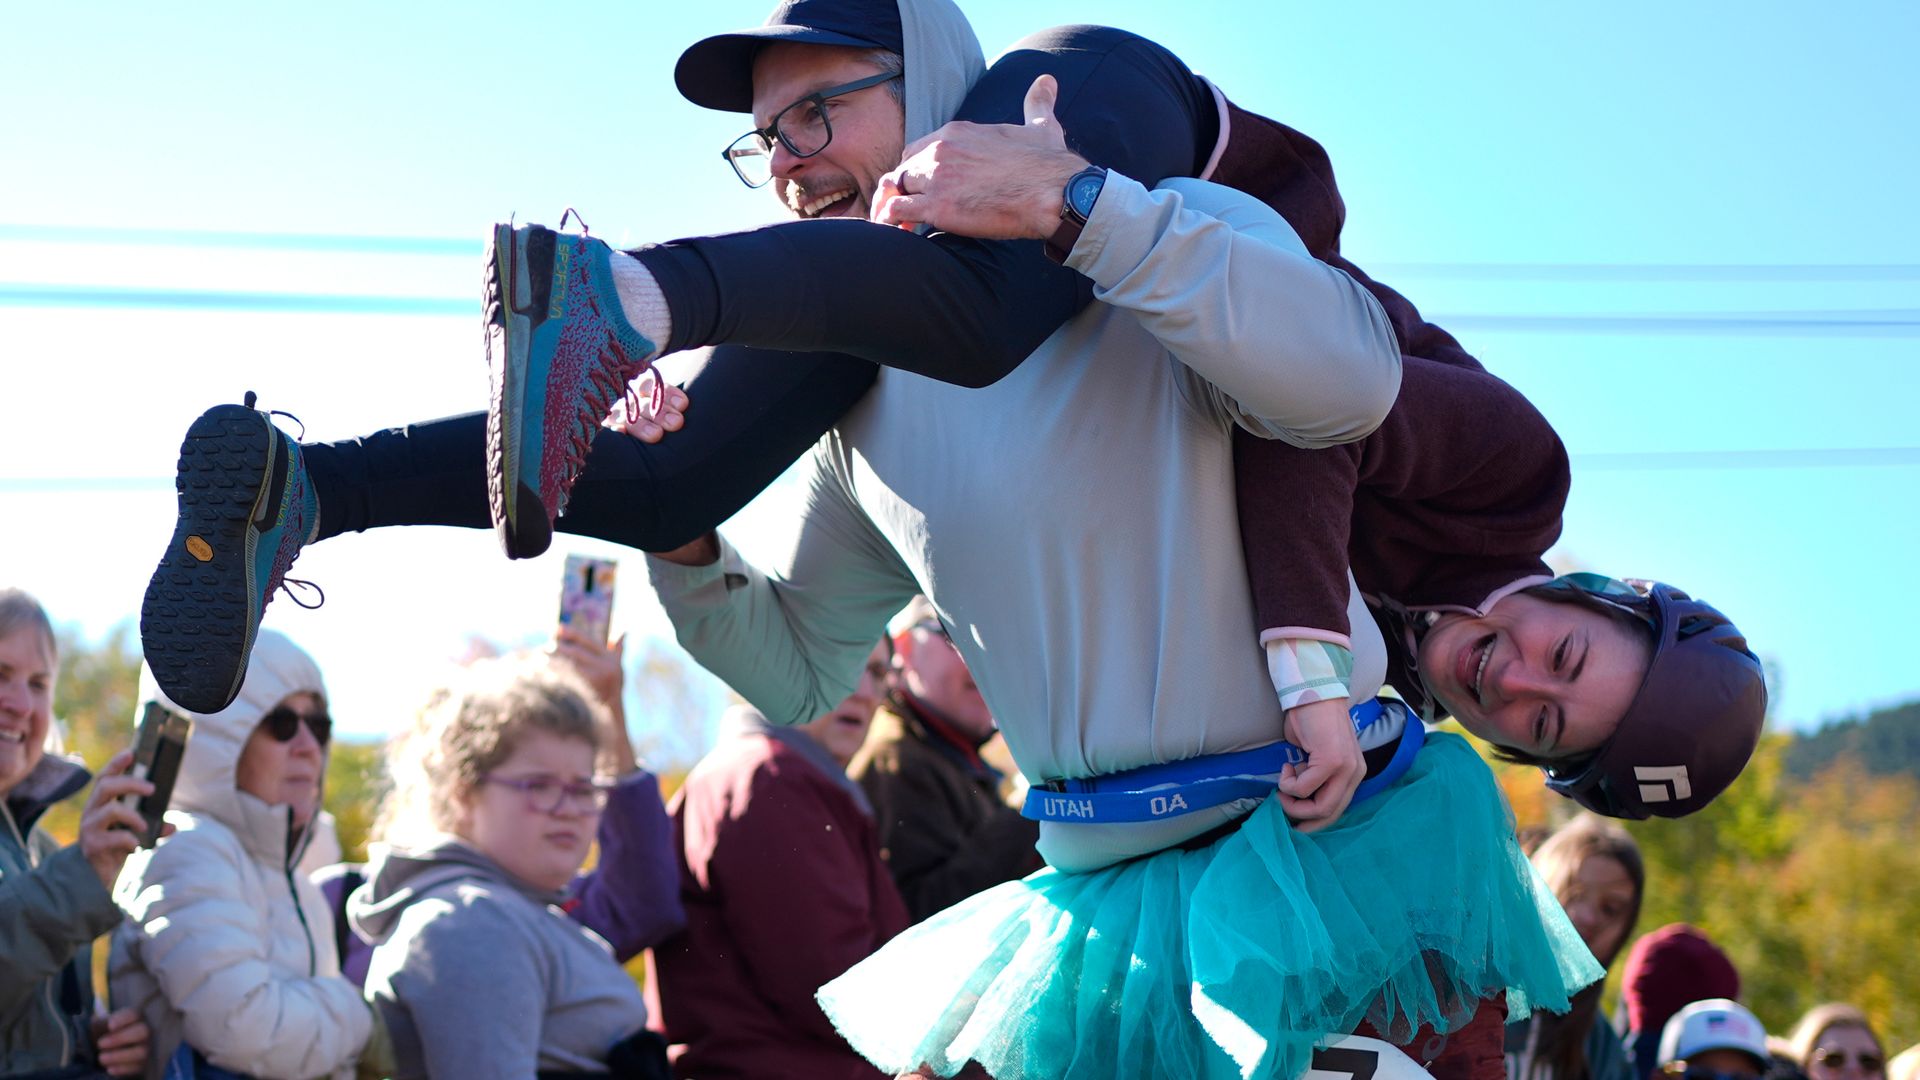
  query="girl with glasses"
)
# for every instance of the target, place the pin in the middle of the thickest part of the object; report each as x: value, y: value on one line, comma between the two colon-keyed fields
x: 228, y: 948
x: 478, y: 971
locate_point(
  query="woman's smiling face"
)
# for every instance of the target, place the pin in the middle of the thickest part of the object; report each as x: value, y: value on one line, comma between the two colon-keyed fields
x: 1551, y: 680
x: 27, y: 673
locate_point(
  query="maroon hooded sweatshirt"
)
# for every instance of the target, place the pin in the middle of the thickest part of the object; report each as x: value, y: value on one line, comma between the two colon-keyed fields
x: 784, y: 890
x: 1456, y: 495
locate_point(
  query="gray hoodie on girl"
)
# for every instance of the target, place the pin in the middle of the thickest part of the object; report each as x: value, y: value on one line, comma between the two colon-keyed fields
x: 477, y: 975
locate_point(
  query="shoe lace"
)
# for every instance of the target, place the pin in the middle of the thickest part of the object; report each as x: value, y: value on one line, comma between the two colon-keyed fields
x: 251, y: 397
x: 606, y: 383
x: 657, y: 396
x: 286, y: 584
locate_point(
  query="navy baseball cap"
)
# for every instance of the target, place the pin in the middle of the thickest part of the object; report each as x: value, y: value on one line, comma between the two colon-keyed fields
x: 717, y: 72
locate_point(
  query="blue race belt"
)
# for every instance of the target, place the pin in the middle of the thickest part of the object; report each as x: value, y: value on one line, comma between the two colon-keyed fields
x: 1153, y: 792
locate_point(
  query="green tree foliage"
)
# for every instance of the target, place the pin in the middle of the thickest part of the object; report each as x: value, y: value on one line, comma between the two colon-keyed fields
x: 1886, y: 741
x: 356, y: 782
x: 1811, y: 885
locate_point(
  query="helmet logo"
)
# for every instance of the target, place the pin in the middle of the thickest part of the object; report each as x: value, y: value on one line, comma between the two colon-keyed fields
x: 1668, y: 782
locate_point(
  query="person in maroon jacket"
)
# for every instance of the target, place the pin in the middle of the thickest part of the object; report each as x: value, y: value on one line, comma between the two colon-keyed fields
x: 784, y: 889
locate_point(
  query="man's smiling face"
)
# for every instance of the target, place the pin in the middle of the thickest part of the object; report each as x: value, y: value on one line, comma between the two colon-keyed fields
x: 868, y: 128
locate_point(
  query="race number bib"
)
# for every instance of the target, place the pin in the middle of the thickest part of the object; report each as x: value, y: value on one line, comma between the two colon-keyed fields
x: 1357, y: 1058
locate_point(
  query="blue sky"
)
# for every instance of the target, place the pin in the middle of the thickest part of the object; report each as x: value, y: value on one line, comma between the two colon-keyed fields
x: 1686, y: 231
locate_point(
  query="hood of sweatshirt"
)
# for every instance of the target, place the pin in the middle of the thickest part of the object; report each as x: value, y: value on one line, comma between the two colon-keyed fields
x: 744, y: 720
x: 941, y: 55
x: 55, y: 778
x: 396, y: 878
x: 205, y: 785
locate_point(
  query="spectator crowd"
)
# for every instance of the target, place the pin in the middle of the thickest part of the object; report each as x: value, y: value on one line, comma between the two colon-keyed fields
x: 476, y: 941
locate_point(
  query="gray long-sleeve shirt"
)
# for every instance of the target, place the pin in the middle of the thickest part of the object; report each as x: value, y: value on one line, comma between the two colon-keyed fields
x: 1074, y: 523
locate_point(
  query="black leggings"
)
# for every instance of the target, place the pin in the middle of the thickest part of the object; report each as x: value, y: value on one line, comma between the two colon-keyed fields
x: 794, y: 338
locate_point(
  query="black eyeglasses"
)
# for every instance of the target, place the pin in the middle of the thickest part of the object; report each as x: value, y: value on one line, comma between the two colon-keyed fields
x: 283, y: 724
x: 1837, y: 1059
x: 802, y: 127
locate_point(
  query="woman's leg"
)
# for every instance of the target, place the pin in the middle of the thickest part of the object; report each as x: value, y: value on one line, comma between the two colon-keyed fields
x: 754, y: 413
x: 250, y: 498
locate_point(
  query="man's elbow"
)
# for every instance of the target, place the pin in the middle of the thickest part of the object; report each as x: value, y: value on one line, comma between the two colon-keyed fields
x: 1373, y: 389
x: 1360, y: 388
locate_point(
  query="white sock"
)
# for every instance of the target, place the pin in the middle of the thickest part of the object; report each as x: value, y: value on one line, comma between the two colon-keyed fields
x: 641, y: 300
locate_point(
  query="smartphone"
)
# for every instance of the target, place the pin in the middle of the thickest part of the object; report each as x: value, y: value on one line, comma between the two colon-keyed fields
x: 586, y: 596
x: 157, y: 750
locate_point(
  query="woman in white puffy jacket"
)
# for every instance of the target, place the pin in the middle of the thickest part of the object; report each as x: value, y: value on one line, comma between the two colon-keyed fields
x: 228, y: 950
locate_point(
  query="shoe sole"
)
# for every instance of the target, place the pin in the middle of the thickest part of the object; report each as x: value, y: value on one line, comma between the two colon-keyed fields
x: 200, y: 614
x: 520, y: 521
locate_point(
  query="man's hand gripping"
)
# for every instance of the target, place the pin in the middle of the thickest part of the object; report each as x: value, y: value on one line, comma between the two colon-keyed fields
x: 992, y: 181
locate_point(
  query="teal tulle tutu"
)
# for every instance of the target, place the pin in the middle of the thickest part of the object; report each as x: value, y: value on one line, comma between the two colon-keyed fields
x: 1234, y: 959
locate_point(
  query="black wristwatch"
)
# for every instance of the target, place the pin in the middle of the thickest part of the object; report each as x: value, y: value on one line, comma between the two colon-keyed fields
x: 1076, y: 206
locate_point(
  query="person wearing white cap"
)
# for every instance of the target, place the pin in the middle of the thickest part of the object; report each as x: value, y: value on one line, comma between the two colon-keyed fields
x: 1716, y: 1039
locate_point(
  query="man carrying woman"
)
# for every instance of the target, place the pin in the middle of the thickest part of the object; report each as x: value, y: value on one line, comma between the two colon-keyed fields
x: 1101, y: 601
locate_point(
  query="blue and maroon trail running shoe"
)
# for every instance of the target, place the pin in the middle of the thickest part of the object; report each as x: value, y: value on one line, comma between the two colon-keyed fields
x: 245, y: 510
x: 560, y: 353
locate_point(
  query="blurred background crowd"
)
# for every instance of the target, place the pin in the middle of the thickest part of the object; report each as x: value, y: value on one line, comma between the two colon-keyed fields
x: 325, y: 906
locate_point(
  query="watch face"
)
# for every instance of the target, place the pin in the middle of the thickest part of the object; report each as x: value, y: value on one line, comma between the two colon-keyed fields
x: 1083, y: 192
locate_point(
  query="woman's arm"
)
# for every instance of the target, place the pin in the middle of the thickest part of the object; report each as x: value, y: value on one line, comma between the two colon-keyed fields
x: 632, y: 895
x: 46, y: 915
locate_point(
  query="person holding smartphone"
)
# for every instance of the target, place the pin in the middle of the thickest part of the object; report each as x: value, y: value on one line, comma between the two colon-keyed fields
x: 55, y: 900
x: 228, y: 948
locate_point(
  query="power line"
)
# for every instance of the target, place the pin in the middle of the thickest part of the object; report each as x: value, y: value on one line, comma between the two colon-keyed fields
x: 1659, y: 460
x: 375, y: 244
x: 22, y: 295
x: 1890, y: 322
x: 1655, y: 272
x: 1813, y: 458
x: 363, y: 243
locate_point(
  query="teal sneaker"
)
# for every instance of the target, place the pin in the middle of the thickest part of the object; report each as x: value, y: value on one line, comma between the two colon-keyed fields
x: 559, y: 353
x: 245, y: 511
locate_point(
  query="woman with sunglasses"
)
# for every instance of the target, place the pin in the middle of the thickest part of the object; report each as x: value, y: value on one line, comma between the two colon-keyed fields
x: 477, y: 971
x: 228, y: 948
x: 1836, y: 1041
